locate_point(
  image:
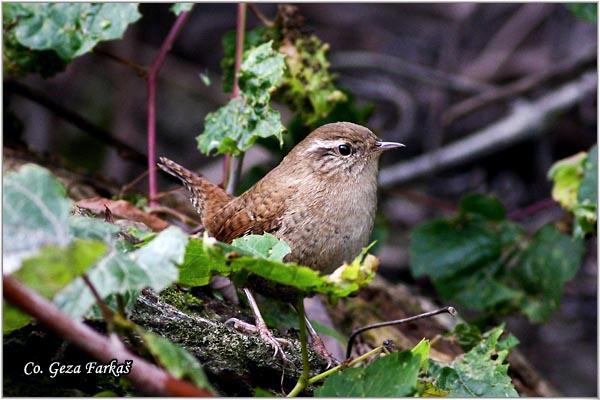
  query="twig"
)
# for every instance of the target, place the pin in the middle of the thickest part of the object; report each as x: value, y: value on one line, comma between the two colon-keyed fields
x: 138, y: 69
x: 147, y: 377
x: 527, y: 120
x: 262, y: 17
x: 180, y: 216
x: 346, y: 364
x: 151, y: 105
x: 131, y: 184
x: 107, y: 313
x: 426, y: 199
x: 531, y: 209
x: 124, y: 150
x: 519, y: 87
x: 233, y: 165
x: 449, y: 310
x: 397, y: 66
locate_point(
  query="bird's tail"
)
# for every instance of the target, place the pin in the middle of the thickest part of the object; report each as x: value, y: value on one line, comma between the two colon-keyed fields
x: 205, y: 196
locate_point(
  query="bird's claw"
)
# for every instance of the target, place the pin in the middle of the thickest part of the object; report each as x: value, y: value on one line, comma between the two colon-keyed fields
x: 319, y: 348
x: 265, y: 334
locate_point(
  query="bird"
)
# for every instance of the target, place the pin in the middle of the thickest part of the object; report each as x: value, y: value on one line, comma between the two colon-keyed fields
x: 321, y: 200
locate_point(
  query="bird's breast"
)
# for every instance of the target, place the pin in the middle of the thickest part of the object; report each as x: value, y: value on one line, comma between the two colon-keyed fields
x: 329, y: 227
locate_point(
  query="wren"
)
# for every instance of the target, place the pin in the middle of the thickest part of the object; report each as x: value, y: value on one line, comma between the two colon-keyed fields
x: 321, y: 199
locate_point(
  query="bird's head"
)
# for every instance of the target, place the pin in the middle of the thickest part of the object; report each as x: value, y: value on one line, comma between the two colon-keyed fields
x: 341, y: 149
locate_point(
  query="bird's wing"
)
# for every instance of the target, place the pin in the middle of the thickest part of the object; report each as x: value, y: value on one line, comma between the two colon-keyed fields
x: 254, y: 212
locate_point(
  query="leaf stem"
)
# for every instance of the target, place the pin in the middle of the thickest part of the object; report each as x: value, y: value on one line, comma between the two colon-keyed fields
x: 344, y: 365
x: 151, y: 103
x: 303, y: 379
x: 450, y: 310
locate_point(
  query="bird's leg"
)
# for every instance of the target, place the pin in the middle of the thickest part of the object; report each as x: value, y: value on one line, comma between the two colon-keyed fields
x: 319, y: 346
x: 260, y: 327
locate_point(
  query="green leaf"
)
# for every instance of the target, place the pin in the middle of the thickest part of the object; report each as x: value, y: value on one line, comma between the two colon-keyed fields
x: 71, y: 29
x: 263, y: 246
x: 153, y: 265
x: 484, y: 262
x: 176, y: 360
x: 35, y: 210
x: 17, y: 59
x: 481, y: 372
x: 487, y: 206
x: 207, y: 257
x: 235, y: 127
x: 585, y: 11
x: 547, y: 264
x: 422, y: 350
x: 178, y: 8
x: 467, y: 335
x: 575, y: 188
x: 394, y: 375
x: 442, y: 249
x: 51, y: 270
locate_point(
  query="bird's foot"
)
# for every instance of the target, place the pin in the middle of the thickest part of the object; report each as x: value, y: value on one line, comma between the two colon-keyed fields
x: 319, y: 348
x: 264, y: 333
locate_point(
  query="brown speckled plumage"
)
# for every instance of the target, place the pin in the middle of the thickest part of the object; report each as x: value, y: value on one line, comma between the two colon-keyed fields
x: 320, y: 201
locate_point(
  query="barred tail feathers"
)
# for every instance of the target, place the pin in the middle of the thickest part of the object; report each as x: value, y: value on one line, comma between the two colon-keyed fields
x: 206, y: 197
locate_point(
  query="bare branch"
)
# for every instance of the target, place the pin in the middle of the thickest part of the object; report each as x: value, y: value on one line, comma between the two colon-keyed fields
x: 527, y: 120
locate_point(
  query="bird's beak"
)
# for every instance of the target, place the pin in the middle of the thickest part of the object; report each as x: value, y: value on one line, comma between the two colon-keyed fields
x: 383, y: 146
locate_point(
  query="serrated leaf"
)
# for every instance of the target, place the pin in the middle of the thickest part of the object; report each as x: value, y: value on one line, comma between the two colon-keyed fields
x: 481, y: 372
x: 176, y: 360
x: 72, y: 29
x: 394, y: 375
x: 50, y: 270
x: 35, y: 214
x: 154, y: 266
x: 264, y: 246
x: 178, y: 8
x: 235, y: 127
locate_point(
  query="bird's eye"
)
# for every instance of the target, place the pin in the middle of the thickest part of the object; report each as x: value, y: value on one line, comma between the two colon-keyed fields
x: 345, y: 149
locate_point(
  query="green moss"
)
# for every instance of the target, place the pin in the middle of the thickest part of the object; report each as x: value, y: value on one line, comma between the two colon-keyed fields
x: 182, y: 300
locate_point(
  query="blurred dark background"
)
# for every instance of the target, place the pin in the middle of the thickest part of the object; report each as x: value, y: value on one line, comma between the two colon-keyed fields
x: 414, y: 63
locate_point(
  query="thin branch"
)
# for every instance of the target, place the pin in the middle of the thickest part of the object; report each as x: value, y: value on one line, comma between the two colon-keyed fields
x: 138, y: 69
x: 347, y: 364
x: 147, y: 377
x: 233, y: 165
x: 124, y: 150
x: 303, y: 379
x: 532, y: 209
x: 151, y: 105
x: 398, y: 66
x: 107, y: 313
x: 527, y: 120
x: 423, y: 198
x: 519, y: 87
x: 449, y: 310
x: 261, y: 17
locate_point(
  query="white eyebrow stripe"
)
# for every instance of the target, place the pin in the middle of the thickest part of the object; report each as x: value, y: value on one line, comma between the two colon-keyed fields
x: 327, y: 144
